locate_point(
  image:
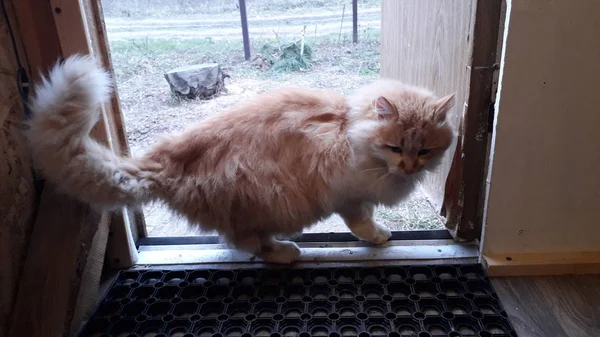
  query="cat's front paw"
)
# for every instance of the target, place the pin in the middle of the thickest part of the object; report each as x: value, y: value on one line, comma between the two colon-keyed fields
x: 381, y: 234
x: 284, y: 252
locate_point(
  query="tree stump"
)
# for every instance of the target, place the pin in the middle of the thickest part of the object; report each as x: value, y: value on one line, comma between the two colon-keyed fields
x: 197, y: 81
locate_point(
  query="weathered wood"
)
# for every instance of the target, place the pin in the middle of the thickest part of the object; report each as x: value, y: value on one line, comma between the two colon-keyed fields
x: 467, y: 202
x: 41, y: 44
x: 119, y: 248
x: 59, y: 283
x: 427, y: 43
x: 93, y: 14
x: 410, y: 49
x: 18, y: 200
x: 56, y: 259
x: 88, y: 35
x: 89, y: 288
x: 451, y: 208
x: 71, y: 28
x: 69, y: 23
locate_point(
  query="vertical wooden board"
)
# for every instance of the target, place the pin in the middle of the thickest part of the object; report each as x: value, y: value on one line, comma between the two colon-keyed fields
x: 127, y: 225
x: 475, y: 123
x: 544, y: 184
x: 58, y: 277
x: 121, y: 251
x: 427, y: 43
x: 70, y: 26
x: 55, y: 265
x: 41, y: 45
x: 17, y: 193
x: 98, y: 42
x: 72, y: 29
x: 17, y: 204
x: 91, y: 275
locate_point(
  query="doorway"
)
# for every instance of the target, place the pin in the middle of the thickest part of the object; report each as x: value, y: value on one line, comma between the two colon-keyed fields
x: 447, y: 46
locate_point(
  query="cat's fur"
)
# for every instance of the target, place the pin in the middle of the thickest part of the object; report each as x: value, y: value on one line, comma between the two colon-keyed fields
x: 271, y: 166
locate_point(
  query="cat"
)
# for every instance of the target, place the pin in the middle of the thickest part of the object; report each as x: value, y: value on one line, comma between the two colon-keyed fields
x: 266, y: 168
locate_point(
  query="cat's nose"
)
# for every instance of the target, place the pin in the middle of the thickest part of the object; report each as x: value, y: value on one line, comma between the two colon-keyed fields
x: 409, y: 167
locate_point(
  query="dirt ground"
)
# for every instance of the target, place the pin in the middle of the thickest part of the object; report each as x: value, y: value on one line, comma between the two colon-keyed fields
x: 144, y: 46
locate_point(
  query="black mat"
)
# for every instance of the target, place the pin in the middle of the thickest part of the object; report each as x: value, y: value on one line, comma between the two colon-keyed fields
x: 418, y: 301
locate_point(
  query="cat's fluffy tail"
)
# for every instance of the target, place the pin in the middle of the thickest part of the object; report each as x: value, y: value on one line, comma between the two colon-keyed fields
x: 66, y: 106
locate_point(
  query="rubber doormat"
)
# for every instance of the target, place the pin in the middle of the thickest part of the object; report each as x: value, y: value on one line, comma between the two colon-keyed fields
x: 419, y: 301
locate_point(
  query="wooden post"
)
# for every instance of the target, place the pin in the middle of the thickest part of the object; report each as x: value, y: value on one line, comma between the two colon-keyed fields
x: 244, y: 18
x: 354, y: 21
x: 469, y: 167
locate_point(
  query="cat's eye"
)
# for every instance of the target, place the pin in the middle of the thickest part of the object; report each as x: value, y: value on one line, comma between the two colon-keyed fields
x: 423, y: 152
x: 395, y: 149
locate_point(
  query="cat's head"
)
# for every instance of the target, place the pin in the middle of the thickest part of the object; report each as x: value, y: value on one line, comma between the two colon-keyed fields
x: 412, y: 131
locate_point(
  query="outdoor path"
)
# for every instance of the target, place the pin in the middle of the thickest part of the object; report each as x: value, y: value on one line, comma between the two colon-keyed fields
x: 218, y: 27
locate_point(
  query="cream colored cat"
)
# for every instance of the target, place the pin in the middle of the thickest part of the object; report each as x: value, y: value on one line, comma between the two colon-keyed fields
x: 268, y: 167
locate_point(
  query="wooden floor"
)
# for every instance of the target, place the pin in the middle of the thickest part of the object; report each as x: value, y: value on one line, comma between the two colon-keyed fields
x: 554, y: 306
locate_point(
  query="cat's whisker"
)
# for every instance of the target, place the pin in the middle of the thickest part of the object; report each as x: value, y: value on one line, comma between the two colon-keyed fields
x: 382, y: 178
x: 374, y: 169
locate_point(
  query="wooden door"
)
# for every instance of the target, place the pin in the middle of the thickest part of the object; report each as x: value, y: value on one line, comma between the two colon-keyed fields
x: 449, y: 46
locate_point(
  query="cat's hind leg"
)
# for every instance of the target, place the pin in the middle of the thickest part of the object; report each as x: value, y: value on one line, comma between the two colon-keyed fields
x: 276, y: 251
x: 267, y: 248
x: 359, y: 218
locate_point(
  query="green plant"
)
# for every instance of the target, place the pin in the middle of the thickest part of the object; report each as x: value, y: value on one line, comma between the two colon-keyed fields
x: 293, y: 57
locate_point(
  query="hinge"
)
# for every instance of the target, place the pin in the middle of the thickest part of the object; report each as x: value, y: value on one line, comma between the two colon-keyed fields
x: 492, y: 103
x: 491, y: 113
x: 24, y: 88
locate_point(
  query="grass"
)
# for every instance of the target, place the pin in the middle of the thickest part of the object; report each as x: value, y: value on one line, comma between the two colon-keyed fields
x: 415, y: 215
x: 155, y: 55
x: 135, y: 57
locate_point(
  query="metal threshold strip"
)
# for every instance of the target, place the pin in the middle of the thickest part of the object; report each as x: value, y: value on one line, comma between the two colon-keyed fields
x: 307, y: 237
x: 312, y: 252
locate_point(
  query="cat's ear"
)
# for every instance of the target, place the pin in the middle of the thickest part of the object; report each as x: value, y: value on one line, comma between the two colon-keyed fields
x: 384, y: 109
x: 441, y: 108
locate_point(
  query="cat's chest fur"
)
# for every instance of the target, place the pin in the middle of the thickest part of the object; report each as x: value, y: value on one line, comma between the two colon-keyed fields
x: 375, y: 186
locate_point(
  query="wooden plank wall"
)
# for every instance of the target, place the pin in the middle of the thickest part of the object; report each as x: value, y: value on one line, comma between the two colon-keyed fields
x: 427, y: 43
x: 17, y: 193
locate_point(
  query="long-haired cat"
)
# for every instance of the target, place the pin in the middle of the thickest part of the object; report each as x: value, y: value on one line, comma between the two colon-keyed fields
x: 266, y: 168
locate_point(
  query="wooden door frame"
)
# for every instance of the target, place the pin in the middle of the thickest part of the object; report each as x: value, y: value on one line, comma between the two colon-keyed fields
x: 79, y: 28
x: 464, y: 192
x: 68, y: 243
x: 68, y: 27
